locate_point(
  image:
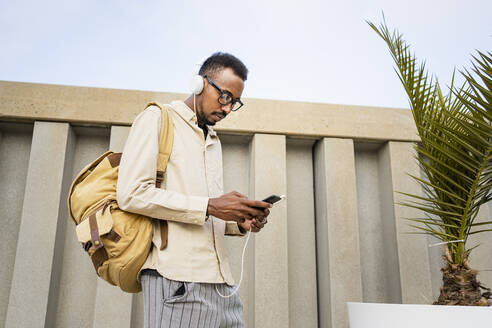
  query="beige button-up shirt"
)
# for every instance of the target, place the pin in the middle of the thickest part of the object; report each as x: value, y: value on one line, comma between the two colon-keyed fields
x: 195, y: 249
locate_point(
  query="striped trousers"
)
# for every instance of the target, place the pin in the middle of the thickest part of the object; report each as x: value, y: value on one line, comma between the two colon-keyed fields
x: 176, y: 304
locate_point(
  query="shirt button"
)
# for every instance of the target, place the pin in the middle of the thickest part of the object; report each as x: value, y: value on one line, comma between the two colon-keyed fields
x: 195, y: 221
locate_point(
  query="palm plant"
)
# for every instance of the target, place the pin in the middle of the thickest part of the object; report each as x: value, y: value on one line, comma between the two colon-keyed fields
x: 455, y: 155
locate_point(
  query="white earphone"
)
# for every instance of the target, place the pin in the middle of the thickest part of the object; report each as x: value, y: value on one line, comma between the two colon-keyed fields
x: 196, y: 83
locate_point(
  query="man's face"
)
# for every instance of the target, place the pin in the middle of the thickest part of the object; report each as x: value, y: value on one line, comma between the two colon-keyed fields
x: 209, y: 111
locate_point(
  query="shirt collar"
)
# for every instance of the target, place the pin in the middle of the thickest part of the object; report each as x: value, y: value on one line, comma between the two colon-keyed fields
x: 187, y: 114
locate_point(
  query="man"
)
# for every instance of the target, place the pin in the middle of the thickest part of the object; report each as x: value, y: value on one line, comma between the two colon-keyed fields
x: 182, y: 281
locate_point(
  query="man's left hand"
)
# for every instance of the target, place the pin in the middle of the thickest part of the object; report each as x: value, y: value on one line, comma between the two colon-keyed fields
x: 255, y: 224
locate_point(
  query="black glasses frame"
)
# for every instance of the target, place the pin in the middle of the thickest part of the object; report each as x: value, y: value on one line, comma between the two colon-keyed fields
x: 222, y: 92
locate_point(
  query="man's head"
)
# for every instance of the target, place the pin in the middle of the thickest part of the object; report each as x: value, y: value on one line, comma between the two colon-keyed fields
x: 223, y: 83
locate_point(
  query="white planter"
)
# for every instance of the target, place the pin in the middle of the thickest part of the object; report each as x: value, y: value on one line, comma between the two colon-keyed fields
x: 376, y: 315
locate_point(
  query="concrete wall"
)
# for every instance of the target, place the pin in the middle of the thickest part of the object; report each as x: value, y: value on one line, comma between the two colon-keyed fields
x: 338, y: 237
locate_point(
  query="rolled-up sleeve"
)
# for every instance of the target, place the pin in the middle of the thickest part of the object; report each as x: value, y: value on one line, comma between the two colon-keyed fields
x: 232, y: 229
x: 136, y: 190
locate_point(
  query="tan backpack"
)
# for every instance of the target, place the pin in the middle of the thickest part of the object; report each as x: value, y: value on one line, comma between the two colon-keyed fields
x: 118, y: 242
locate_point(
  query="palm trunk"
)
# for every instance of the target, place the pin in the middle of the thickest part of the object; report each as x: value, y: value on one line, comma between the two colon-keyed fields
x: 460, y: 285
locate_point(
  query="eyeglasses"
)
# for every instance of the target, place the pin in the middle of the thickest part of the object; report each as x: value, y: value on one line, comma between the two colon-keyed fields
x: 225, y: 97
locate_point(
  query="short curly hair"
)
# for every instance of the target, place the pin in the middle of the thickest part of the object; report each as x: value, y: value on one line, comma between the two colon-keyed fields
x: 222, y: 60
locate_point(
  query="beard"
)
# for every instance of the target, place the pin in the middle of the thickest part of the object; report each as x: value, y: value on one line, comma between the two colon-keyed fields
x: 202, y: 120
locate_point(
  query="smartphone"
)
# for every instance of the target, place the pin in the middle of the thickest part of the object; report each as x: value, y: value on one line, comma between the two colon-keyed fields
x: 273, y: 199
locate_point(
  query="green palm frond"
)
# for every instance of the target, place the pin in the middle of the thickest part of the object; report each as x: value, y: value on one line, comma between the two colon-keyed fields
x: 455, y: 152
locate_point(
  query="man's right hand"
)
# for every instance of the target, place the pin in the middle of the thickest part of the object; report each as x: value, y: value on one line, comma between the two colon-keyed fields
x: 237, y: 207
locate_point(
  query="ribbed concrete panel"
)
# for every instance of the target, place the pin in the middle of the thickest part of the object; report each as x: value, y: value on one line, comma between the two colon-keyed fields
x: 413, y: 256
x: 303, y: 303
x: 490, y: 210
x: 338, y: 255
x: 111, y: 301
x: 322, y: 245
x: 118, y: 137
x: 15, y: 147
x: 436, y: 262
x: 235, y: 151
x: 35, y: 270
x: 78, y: 283
x: 137, y: 311
x: 481, y: 257
x: 390, y: 251
x: 295, y: 275
x: 60, y: 233
x: 373, y: 243
x: 269, y: 176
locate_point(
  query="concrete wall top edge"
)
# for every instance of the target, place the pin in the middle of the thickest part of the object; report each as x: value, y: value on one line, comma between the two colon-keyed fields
x: 21, y: 101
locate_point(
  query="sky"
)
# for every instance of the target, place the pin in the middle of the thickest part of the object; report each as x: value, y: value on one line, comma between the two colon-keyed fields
x: 310, y: 50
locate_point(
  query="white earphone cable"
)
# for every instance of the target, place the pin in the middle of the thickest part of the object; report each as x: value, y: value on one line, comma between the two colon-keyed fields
x: 242, y: 270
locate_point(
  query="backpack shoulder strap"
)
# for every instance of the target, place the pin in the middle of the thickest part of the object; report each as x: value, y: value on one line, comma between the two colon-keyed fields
x: 166, y: 139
